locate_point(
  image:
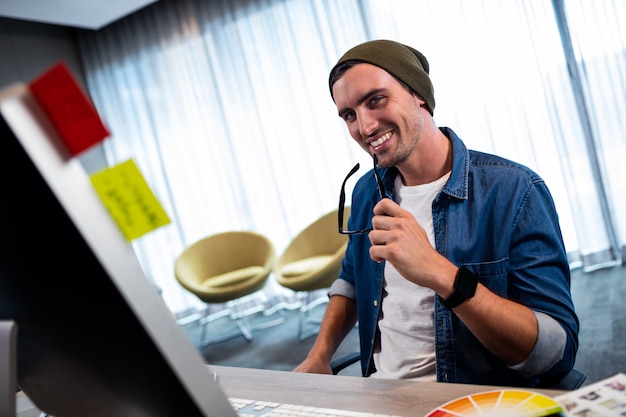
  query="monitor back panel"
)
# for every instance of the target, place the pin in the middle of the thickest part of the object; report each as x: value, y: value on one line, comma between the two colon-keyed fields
x: 94, y: 337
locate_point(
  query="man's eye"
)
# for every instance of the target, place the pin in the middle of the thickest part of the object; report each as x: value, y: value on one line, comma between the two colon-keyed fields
x: 348, y: 116
x: 375, y: 100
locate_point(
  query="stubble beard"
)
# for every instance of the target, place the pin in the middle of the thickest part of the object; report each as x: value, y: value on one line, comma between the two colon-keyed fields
x: 405, y: 149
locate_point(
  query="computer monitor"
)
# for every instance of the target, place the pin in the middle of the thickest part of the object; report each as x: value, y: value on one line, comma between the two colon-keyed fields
x: 94, y: 338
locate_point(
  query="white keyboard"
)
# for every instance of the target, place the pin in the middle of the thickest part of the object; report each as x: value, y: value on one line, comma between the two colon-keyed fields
x: 255, y: 408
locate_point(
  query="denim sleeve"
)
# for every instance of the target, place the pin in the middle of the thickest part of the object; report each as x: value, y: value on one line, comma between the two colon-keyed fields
x: 541, y: 281
x: 548, y: 350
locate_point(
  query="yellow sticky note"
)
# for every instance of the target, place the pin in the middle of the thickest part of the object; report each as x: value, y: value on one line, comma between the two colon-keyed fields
x: 130, y: 201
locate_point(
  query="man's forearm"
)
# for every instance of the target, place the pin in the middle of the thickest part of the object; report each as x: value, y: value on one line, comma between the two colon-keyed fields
x: 509, y: 330
x: 339, y: 318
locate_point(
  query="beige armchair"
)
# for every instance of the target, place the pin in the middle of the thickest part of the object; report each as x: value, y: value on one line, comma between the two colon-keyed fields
x: 311, y: 262
x: 225, y: 267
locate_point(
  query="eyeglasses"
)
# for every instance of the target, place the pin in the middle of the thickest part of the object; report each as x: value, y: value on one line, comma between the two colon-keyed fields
x: 342, y: 198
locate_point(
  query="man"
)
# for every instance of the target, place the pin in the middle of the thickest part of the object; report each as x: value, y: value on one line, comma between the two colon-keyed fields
x: 464, y: 276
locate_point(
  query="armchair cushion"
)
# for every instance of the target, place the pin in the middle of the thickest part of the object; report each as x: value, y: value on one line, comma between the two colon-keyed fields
x: 305, y: 265
x: 232, y: 277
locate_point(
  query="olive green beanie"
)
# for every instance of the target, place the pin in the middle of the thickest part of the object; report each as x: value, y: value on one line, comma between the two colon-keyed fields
x: 403, y: 62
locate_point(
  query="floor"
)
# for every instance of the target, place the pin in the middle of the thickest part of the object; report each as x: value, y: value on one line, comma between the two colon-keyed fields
x: 600, y: 301
x: 599, y: 298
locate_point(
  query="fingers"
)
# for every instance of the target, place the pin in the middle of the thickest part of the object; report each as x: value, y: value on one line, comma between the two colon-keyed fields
x: 398, y: 238
x: 386, y: 215
x: 387, y: 207
x: 396, y: 234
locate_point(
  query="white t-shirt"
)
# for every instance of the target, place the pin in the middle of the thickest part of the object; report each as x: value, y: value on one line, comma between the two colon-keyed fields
x: 406, y: 344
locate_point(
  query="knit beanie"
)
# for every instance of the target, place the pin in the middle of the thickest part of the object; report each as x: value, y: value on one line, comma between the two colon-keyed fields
x: 405, y: 63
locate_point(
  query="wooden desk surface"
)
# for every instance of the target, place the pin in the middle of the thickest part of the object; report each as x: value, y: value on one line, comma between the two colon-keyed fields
x: 404, y: 398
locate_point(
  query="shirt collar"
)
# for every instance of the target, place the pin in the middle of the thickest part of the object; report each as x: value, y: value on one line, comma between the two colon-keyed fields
x: 457, y: 184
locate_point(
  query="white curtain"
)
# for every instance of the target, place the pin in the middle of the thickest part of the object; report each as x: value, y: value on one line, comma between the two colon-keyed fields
x: 225, y: 107
x: 598, y: 57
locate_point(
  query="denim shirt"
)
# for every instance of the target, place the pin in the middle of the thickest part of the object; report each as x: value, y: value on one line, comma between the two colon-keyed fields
x: 498, y: 219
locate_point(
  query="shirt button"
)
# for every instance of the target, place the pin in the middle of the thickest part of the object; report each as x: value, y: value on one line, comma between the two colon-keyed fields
x: 375, y: 303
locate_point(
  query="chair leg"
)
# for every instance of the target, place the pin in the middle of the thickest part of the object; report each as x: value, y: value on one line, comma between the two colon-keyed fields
x: 242, y: 316
x: 244, y: 328
x: 208, y: 318
x: 304, y: 316
x: 240, y: 311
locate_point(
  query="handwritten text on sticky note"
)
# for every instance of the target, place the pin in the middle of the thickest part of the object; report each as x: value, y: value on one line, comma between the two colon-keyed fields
x: 129, y: 199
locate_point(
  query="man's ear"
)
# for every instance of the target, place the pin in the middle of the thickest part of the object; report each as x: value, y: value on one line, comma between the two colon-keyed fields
x: 422, y: 102
x: 419, y: 98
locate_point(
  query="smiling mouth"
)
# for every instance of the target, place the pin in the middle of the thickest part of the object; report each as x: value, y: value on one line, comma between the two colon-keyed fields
x: 380, y: 140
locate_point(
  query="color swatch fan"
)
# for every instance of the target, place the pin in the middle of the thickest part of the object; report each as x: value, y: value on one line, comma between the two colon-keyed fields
x: 510, y: 403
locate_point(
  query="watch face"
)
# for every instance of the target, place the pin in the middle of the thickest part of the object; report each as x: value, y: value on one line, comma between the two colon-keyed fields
x: 466, y: 282
x: 464, y: 287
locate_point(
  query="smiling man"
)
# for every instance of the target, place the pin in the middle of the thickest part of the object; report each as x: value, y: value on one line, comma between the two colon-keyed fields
x: 463, y: 276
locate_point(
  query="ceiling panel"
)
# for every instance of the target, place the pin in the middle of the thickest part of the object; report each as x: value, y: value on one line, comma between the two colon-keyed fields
x: 84, y: 14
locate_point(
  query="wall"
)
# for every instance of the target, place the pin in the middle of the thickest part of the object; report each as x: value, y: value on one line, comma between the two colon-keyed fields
x: 28, y: 49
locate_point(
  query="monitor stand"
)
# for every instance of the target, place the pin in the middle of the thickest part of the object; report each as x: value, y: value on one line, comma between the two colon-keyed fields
x: 7, y: 368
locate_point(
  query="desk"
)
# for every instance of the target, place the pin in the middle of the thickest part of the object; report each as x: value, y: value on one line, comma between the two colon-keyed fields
x: 405, y: 398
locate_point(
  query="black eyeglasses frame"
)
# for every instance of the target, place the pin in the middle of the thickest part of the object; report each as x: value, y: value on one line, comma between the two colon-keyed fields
x: 342, y: 197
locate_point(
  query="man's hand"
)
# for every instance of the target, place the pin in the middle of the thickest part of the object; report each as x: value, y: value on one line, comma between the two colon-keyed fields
x: 399, y: 239
x: 313, y: 366
x: 339, y: 319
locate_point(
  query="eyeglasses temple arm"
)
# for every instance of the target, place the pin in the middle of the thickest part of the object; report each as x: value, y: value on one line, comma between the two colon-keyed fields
x: 342, y: 196
x: 379, y: 181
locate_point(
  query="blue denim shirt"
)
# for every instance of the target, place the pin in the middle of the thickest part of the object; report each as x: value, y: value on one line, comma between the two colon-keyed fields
x: 498, y: 219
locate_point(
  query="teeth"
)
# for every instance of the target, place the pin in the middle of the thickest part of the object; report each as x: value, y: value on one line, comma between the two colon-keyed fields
x: 381, y: 140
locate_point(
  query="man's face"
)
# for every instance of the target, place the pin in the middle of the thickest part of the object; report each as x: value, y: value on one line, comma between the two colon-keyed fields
x: 382, y: 116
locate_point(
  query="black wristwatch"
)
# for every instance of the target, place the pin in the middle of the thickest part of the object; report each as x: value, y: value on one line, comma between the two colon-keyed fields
x: 464, y: 288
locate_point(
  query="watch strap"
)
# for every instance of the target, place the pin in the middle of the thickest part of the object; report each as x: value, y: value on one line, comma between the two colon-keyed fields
x: 465, y: 285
